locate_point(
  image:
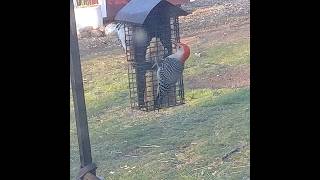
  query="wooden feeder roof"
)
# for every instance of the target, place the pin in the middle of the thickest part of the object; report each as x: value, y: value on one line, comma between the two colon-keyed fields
x: 137, y: 11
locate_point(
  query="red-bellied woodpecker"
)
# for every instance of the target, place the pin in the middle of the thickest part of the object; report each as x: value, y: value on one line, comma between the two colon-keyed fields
x: 170, y: 71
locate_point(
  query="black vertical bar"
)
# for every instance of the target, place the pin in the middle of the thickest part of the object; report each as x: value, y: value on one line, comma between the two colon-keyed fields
x: 140, y: 48
x: 78, y: 95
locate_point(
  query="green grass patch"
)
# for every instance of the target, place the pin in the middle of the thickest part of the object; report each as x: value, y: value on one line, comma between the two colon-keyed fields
x: 218, y: 57
x: 184, y: 142
x: 181, y: 139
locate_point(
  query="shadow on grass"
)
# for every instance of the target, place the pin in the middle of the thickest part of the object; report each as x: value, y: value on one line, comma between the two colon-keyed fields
x: 172, y: 144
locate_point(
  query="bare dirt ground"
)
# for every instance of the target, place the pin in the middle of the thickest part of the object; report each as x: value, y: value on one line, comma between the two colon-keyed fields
x: 211, y: 23
x: 230, y: 77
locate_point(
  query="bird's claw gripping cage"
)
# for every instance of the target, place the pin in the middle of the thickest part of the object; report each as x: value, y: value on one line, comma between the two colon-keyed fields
x: 151, y: 31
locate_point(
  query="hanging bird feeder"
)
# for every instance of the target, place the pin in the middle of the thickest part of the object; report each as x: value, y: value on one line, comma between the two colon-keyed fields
x: 151, y: 32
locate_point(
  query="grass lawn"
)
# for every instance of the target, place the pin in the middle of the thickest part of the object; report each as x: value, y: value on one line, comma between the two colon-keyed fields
x: 207, y: 138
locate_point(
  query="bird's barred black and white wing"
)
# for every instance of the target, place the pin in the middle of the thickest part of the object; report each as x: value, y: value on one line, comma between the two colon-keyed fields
x: 169, y: 72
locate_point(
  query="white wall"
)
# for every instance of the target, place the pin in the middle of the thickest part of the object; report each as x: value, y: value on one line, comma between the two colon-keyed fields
x: 103, y: 4
x: 89, y: 16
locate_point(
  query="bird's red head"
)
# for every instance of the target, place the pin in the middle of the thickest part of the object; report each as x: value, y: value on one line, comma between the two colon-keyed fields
x: 186, y: 51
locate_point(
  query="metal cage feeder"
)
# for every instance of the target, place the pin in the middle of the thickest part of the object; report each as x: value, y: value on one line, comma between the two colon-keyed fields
x: 151, y: 30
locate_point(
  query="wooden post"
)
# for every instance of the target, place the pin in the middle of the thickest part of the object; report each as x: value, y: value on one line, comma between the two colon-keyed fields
x: 78, y: 95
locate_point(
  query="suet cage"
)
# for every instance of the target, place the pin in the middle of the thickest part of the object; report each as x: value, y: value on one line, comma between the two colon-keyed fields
x: 151, y: 31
